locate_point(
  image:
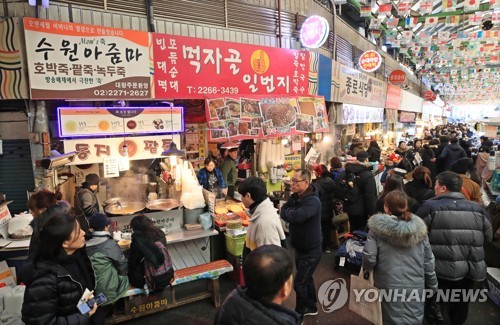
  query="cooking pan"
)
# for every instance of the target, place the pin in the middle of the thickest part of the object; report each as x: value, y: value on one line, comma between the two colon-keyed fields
x: 113, y: 200
x: 124, y: 208
x: 163, y: 204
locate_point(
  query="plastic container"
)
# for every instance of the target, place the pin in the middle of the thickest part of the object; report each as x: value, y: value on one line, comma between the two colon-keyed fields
x: 191, y: 215
x: 235, y: 245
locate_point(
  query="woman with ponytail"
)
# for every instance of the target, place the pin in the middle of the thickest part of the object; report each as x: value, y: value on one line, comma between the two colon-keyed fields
x: 398, y: 253
x: 420, y: 188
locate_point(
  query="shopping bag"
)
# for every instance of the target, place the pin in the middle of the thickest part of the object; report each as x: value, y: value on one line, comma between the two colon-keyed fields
x: 370, y: 310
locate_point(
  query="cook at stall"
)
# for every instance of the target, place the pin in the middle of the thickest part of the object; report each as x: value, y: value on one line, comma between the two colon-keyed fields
x: 86, y: 202
x: 210, y: 177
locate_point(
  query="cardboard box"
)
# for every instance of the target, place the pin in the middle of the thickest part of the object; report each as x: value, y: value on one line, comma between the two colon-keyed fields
x: 5, y: 217
x: 493, y: 285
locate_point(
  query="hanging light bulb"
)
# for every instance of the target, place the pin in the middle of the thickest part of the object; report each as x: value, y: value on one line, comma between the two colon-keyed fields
x: 124, y: 161
x: 327, y: 138
x: 306, y: 138
x: 284, y: 141
x: 173, y: 160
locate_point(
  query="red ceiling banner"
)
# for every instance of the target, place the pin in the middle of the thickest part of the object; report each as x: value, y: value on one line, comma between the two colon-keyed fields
x: 188, y: 67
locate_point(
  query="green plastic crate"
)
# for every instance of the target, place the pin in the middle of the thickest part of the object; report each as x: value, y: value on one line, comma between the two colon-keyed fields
x: 235, y: 245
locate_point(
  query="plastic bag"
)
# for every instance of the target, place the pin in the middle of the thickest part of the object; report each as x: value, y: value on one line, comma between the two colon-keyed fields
x: 205, y: 219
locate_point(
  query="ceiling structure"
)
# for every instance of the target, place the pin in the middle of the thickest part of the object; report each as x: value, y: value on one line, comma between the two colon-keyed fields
x: 452, y: 44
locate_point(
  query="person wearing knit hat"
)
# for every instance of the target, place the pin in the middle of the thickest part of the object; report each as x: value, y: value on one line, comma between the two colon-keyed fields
x: 86, y: 203
x: 108, y: 261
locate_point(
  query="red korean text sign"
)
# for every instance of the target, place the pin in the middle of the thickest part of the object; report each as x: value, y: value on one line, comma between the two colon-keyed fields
x: 370, y: 61
x: 188, y: 67
x: 397, y: 77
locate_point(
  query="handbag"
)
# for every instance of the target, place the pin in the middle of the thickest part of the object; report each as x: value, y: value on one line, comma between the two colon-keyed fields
x: 369, y: 310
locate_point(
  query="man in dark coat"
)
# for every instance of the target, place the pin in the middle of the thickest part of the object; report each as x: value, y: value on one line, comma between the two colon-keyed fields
x: 268, y: 277
x: 86, y: 203
x: 361, y: 200
x: 303, y: 212
x: 451, y: 153
x: 458, y: 229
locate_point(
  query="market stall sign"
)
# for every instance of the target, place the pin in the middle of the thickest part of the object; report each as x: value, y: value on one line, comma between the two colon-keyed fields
x: 314, y: 32
x: 429, y: 95
x: 411, y: 102
x: 407, y: 117
x: 358, y: 88
x: 370, y: 61
x: 393, y: 99
x: 188, y: 67
x: 78, y: 61
x: 93, y: 151
x: 254, y: 117
x: 351, y: 114
x: 397, y: 77
x: 99, y: 121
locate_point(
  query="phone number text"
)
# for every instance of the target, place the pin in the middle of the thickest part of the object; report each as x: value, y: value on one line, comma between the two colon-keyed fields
x: 121, y: 92
x: 212, y: 90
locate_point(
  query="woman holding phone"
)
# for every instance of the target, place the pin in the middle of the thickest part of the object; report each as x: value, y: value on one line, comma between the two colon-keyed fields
x: 59, y: 273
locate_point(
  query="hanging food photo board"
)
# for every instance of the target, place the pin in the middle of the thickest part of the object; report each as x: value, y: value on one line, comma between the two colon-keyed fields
x: 252, y: 117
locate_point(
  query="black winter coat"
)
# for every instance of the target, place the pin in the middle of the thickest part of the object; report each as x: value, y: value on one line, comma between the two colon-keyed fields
x: 458, y: 230
x: 365, y: 204
x: 304, y: 215
x: 427, y: 155
x: 419, y: 191
x: 52, y: 294
x: 326, y: 187
x: 374, y: 154
x: 450, y: 154
x: 141, y: 248
x: 239, y: 308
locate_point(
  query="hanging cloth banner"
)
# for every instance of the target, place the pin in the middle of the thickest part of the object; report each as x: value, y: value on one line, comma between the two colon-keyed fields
x: 251, y: 117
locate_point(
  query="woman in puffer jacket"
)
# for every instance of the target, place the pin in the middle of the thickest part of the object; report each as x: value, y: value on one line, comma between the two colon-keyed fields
x: 400, y: 256
x: 57, y: 276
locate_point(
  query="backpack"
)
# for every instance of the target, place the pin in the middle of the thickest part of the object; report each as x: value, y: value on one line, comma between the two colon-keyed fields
x: 347, y: 189
x: 157, y: 278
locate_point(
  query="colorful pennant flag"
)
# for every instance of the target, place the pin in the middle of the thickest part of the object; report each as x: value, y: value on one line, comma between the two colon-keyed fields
x: 396, y: 43
x: 431, y: 21
x: 375, y: 23
x: 452, y: 21
x: 475, y: 19
x: 495, y: 17
x: 449, y: 5
x: 443, y: 35
x: 365, y: 11
x: 406, y: 36
x: 392, y: 22
x: 471, y: 5
x: 404, y: 8
x: 426, y: 6
x: 411, y: 21
x: 385, y: 9
x: 376, y: 33
x: 494, y: 4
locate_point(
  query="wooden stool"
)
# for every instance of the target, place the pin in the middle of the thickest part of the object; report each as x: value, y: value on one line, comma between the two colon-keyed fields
x: 340, y: 221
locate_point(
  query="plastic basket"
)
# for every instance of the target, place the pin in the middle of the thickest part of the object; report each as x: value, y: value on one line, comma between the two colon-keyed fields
x: 235, y: 245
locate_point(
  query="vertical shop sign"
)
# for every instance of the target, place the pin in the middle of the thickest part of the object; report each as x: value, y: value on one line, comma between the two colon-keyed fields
x: 78, y: 61
x: 393, y: 100
x: 188, y: 67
